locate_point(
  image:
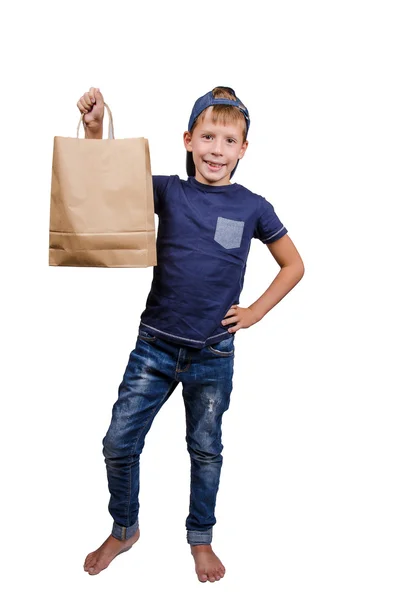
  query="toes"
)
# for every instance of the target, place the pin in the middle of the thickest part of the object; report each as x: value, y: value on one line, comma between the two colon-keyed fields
x: 219, y: 573
x: 93, y: 567
x: 88, y: 559
x: 94, y: 570
x: 89, y: 563
x: 202, y: 577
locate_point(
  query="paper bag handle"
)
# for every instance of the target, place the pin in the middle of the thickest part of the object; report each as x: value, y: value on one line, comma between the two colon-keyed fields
x: 111, y: 126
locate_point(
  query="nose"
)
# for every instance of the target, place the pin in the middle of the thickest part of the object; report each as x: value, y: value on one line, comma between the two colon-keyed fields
x: 217, y: 147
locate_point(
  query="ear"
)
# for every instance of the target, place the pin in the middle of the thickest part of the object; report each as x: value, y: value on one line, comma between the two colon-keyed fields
x: 187, y: 140
x: 243, y: 149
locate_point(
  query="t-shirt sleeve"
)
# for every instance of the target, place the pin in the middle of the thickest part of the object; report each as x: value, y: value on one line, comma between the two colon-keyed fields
x: 160, y: 183
x: 268, y: 228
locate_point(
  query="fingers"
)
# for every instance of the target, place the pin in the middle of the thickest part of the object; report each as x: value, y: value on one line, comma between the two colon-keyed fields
x: 97, y: 93
x: 80, y: 107
x: 84, y: 105
x: 234, y: 329
x: 88, y: 100
x: 227, y: 319
x: 230, y: 321
x: 231, y: 313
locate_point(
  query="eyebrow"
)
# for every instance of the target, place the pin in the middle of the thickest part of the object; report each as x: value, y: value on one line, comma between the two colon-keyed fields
x: 211, y: 132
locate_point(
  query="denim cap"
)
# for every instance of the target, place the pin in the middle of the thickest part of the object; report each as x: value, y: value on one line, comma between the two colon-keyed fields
x: 203, y: 103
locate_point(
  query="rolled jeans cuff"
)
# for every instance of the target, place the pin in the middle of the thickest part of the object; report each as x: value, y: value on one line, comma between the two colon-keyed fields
x: 196, y: 538
x: 124, y: 533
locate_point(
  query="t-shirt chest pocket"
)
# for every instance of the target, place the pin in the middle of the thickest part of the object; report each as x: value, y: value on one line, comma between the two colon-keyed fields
x: 229, y: 233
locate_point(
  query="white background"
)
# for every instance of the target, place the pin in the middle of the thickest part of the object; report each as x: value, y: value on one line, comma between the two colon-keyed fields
x: 307, y: 503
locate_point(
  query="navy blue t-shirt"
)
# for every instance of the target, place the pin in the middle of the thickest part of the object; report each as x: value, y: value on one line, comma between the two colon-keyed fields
x: 203, y: 239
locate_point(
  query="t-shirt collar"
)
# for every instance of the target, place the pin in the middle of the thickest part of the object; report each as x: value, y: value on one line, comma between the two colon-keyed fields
x: 210, y: 188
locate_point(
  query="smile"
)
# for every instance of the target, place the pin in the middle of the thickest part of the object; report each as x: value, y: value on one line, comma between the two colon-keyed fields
x: 214, y: 165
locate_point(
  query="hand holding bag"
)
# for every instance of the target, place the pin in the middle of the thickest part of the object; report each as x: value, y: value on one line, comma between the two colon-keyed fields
x: 102, y: 209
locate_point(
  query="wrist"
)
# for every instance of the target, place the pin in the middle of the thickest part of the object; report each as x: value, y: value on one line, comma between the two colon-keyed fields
x: 255, y: 314
x: 93, y: 133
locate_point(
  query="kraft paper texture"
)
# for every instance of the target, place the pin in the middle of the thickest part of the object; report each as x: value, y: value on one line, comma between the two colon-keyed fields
x: 102, y: 209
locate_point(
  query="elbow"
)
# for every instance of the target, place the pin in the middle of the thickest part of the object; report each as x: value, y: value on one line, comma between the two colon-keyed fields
x: 298, y: 270
x: 301, y: 270
x: 295, y: 270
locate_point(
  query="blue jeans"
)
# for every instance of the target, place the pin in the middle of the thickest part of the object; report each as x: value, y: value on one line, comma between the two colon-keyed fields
x: 154, y: 370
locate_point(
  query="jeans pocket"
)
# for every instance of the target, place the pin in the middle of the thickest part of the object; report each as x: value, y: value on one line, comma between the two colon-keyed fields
x: 223, y: 348
x: 229, y: 233
x: 146, y: 336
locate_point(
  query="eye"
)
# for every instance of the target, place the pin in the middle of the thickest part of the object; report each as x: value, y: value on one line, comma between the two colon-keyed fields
x: 231, y: 141
x: 207, y: 136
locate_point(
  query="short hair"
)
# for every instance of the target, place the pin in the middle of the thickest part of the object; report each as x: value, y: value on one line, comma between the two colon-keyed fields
x: 224, y: 112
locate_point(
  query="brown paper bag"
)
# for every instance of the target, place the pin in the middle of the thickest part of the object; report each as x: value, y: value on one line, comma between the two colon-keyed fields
x: 102, y: 210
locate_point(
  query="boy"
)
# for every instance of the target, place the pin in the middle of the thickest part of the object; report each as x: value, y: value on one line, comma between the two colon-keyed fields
x: 187, y: 329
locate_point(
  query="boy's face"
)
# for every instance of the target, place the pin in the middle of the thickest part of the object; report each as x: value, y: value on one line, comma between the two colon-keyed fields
x: 216, y: 148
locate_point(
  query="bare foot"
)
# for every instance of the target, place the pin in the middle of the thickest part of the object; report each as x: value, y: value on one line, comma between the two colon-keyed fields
x: 101, y: 558
x: 208, y: 565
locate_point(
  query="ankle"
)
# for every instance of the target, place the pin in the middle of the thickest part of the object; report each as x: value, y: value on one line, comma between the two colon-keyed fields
x: 201, y: 548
